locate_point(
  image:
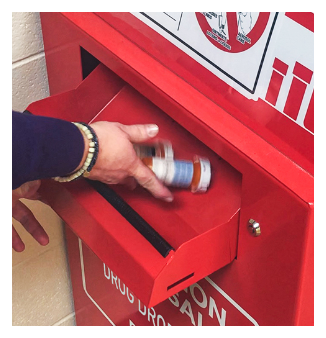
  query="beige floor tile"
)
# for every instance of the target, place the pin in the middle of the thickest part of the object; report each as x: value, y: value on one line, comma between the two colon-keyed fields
x: 67, y: 321
x: 52, y: 224
x: 41, y: 289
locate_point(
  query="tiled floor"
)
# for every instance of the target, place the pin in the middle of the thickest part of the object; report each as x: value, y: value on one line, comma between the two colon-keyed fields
x: 41, y: 289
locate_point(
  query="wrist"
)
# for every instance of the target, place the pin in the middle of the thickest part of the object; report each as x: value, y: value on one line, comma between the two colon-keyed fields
x: 91, y: 149
x: 86, y: 146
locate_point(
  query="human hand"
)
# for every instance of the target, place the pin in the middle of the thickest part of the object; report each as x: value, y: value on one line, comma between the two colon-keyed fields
x: 117, y: 161
x: 23, y: 215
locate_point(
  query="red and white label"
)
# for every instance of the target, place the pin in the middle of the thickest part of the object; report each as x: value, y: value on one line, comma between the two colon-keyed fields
x: 262, y: 55
x: 231, y: 45
x: 203, y: 303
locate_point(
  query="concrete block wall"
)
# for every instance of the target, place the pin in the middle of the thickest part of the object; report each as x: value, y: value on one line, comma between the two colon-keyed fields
x: 41, y: 289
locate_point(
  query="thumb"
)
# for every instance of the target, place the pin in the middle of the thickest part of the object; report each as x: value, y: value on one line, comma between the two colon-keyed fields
x: 140, y: 132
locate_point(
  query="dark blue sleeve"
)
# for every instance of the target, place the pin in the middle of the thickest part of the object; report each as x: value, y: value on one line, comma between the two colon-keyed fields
x: 43, y: 147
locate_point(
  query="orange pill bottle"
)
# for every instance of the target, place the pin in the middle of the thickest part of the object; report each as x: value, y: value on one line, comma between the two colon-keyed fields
x: 195, y: 175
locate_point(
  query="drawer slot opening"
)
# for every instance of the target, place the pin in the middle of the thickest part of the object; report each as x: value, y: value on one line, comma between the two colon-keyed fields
x: 182, y: 241
x: 180, y: 281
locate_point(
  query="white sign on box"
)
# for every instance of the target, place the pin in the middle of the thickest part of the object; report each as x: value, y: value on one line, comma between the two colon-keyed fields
x: 233, y: 46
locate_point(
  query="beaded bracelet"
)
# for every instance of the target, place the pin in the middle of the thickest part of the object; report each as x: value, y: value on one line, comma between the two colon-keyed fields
x: 91, y: 156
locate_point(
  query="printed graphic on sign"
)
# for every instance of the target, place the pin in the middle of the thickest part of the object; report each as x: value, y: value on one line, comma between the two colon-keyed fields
x: 231, y: 45
x: 203, y: 303
x: 233, y: 32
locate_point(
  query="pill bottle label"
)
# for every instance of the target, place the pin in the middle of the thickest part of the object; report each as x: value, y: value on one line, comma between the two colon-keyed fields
x: 180, y: 174
x: 174, y: 173
x: 160, y: 168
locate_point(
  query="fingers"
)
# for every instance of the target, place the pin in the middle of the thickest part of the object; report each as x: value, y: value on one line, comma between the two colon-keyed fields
x: 17, y: 243
x: 24, y: 216
x: 143, y: 175
x: 28, y: 190
x: 140, y: 132
x: 146, y: 178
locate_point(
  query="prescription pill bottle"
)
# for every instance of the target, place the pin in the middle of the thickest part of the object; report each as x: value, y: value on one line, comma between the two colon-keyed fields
x: 195, y: 174
x: 161, y: 148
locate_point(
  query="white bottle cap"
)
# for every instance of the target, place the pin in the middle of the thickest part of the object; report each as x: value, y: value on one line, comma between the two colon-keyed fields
x: 205, y: 174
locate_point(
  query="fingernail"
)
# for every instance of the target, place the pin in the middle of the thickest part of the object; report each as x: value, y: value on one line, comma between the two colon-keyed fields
x: 168, y: 199
x: 44, y: 240
x: 152, y: 130
x: 20, y: 247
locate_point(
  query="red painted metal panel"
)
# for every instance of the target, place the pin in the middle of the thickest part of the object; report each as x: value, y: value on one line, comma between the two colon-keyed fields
x: 270, y: 282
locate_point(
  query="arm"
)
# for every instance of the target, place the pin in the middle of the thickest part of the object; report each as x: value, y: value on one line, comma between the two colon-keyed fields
x: 43, y: 147
x: 46, y: 147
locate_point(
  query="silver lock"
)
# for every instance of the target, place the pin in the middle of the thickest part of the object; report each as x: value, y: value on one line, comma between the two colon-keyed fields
x: 254, y: 227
